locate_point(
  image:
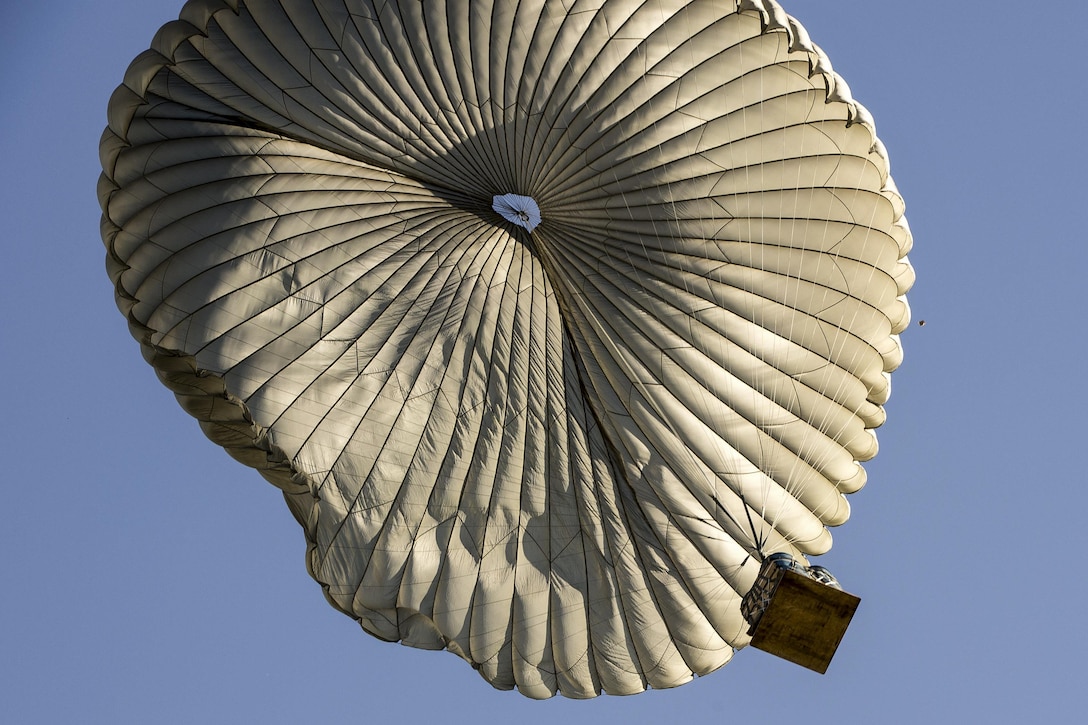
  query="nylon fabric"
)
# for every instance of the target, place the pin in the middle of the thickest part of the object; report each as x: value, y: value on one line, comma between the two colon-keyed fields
x: 551, y: 449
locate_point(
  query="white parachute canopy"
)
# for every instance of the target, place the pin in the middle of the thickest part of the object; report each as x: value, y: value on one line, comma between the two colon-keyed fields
x: 550, y: 322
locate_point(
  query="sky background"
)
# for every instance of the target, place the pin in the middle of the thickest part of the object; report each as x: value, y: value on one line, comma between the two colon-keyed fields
x: 148, y: 578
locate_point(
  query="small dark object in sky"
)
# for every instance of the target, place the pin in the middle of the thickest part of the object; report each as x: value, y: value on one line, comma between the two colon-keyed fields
x: 921, y: 323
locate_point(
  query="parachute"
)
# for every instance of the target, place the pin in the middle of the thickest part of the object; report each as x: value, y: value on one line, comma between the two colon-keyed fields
x: 550, y: 320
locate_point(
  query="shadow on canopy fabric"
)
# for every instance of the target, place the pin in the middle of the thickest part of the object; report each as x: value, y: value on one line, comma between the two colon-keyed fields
x: 557, y: 447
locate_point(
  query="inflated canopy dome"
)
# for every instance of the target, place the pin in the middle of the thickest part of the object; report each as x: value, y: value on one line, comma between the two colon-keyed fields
x: 550, y: 319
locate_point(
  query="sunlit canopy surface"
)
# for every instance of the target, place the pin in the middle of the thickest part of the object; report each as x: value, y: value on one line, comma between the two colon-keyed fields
x: 556, y: 445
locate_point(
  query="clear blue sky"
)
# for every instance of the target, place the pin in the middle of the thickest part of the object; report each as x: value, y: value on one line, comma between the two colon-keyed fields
x: 148, y: 578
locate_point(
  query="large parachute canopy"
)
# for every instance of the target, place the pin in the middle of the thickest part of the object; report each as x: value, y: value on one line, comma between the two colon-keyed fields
x: 551, y: 320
